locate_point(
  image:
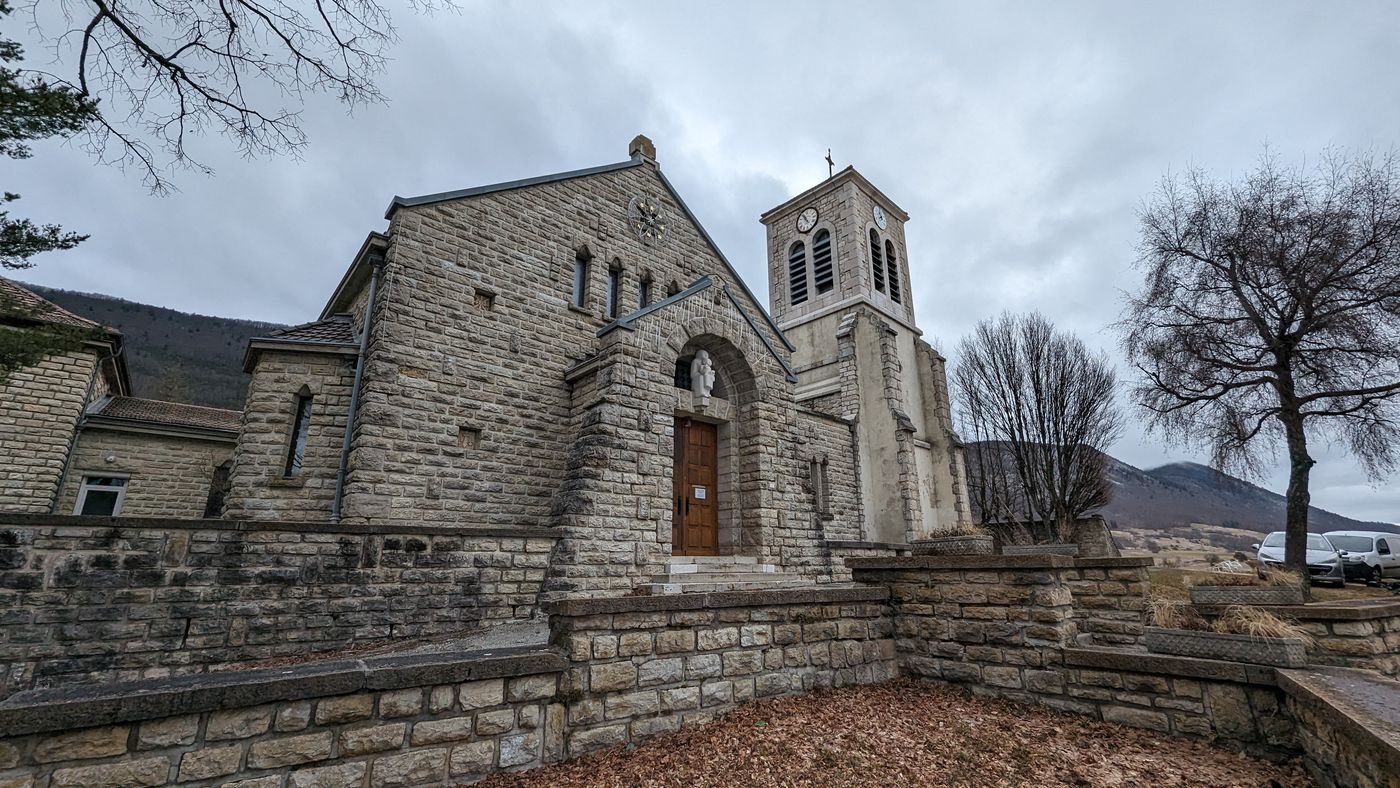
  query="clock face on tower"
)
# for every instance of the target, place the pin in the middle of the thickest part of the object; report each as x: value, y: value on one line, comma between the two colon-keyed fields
x: 807, y: 220
x: 880, y: 217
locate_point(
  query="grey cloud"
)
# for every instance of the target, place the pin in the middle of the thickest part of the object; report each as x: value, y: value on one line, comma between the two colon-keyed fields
x: 1019, y: 136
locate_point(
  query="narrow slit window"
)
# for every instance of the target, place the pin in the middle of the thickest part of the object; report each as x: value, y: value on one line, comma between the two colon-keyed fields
x: 823, y: 277
x: 797, y: 273
x: 891, y: 262
x: 644, y: 292
x: 614, y: 290
x: 877, y: 261
x: 580, y: 279
x: 301, y: 428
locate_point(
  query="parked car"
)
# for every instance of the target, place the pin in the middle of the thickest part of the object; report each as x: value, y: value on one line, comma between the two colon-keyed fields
x: 1324, y: 560
x: 1369, y: 555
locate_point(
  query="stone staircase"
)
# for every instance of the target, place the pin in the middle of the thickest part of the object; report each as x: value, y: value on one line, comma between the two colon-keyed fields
x: 697, y: 574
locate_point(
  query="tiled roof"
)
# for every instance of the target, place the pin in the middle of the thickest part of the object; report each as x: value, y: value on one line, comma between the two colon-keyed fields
x: 336, y: 329
x: 175, y: 413
x: 34, y: 307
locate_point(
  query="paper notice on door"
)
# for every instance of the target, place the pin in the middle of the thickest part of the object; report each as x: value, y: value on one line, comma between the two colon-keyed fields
x: 699, y: 493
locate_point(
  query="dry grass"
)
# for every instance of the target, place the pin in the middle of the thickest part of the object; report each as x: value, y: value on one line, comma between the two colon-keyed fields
x: 907, y: 734
x: 1175, y: 614
x: 1259, y: 623
x: 1173, y: 584
x: 1261, y: 576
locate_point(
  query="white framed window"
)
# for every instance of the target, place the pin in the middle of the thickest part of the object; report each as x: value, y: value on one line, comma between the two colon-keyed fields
x: 101, y: 496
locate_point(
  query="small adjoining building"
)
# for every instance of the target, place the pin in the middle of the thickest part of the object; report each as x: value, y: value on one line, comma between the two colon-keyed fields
x: 73, y: 440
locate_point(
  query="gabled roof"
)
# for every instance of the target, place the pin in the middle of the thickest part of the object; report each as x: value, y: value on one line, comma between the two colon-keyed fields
x: 357, y: 275
x: 170, y: 414
x: 35, y: 308
x: 636, y: 161
x: 335, y: 334
x: 477, y: 191
x: 334, y: 329
x: 22, y: 306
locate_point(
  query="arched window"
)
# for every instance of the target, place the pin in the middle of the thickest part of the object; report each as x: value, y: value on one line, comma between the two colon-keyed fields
x: 614, y: 305
x: 301, y: 429
x: 581, y: 258
x: 822, y: 275
x: 644, y: 291
x: 877, y: 262
x: 891, y: 262
x: 797, y: 273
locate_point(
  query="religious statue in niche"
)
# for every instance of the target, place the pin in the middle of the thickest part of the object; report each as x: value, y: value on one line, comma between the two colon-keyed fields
x: 702, y: 377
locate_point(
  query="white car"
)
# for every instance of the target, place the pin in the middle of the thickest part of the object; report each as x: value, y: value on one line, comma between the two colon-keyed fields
x: 1324, y: 560
x: 1369, y: 555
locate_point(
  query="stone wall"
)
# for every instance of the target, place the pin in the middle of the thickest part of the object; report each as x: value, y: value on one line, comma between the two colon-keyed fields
x: 1007, y: 626
x: 623, y: 670
x: 1110, y: 598
x: 39, y: 411
x: 381, y: 722
x: 92, y: 600
x: 828, y: 443
x: 1346, y: 723
x: 258, y: 487
x: 644, y: 666
x: 170, y: 476
x: 1359, y: 633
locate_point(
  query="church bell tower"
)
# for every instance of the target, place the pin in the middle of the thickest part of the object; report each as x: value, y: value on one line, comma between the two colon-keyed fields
x: 839, y: 287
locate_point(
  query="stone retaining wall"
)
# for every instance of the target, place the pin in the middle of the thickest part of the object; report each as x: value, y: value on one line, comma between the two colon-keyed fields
x: 642, y: 666
x: 1346, y: 722
x: 387, y: 722
x: 1007, y: 626
x: 96, y: 600
x: 623, y: 670
x: 1361, y: 633
x: 1110, y: 598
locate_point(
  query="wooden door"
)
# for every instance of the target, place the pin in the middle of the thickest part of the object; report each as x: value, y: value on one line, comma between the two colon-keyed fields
x: 695, y: 521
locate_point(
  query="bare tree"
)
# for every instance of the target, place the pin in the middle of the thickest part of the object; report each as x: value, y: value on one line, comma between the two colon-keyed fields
x: 1041, y: 408
x: 1270, y: 312
x: 166, y: 70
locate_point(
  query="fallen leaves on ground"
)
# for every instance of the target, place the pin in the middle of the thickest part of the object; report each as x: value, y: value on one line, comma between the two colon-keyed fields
x: 906, y: 734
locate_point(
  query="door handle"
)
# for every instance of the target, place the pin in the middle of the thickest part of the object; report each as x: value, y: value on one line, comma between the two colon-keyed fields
x: 678, y: 504
x: 687, y: 505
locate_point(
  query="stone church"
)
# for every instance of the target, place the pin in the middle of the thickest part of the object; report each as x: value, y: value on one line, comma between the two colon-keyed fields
x: 575, y: 350
x: 569, y: 351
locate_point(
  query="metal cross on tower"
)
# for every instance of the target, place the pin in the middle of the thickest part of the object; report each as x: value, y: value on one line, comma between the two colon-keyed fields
x: 830, y: 165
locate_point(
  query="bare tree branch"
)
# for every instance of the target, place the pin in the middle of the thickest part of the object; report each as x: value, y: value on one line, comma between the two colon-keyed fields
x: 1290, y: 273
x: 167, y: 71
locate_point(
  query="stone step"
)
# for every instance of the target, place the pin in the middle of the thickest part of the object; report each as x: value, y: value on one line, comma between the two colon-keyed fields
x: 659, y: 589
x: 712, y: 559
x: 719, y: 567
x: 718, y: 577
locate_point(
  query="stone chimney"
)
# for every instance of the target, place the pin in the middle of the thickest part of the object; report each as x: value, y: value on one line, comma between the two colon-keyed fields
x: 641, y: 145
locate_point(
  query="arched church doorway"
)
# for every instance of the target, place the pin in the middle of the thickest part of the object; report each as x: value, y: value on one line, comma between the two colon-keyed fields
x: 715, y: 390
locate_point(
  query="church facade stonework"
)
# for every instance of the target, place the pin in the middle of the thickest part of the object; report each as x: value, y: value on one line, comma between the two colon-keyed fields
x: 575, y: 351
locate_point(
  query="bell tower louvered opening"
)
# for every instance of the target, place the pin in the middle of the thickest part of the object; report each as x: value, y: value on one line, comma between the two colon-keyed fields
x: 892, y: 264
x: 797, y: 273
x: 877, y: 261
x: 823, y: 276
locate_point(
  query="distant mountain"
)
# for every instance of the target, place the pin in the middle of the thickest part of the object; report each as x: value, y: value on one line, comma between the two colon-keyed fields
x: 1183, y: 493
x: 1180, y: 495
x: 173, y: 355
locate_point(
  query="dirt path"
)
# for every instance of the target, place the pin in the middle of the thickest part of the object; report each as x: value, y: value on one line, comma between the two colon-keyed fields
x: 908, y: 734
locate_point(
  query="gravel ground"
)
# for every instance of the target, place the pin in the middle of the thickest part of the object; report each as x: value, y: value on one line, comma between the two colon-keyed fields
x: 904, y: 733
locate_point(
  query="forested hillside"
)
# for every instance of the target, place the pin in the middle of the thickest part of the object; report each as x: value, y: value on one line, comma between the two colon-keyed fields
x: 173, y: 355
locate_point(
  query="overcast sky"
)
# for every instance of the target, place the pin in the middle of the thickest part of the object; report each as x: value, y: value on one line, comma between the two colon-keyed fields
x: 1020, y: 137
